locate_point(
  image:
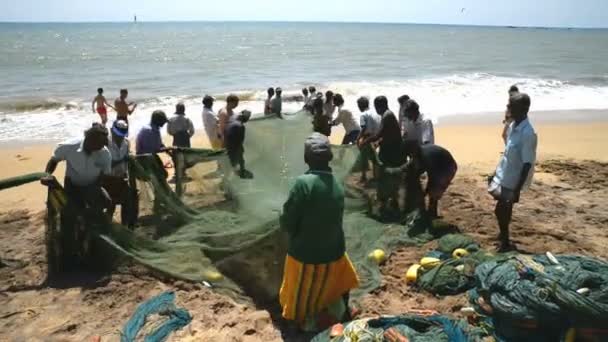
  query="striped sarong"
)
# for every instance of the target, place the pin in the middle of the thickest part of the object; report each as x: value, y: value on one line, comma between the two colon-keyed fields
x: 309, y: 290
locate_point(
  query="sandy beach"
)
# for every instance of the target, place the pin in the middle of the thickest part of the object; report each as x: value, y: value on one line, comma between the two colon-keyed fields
x: 564, y: 212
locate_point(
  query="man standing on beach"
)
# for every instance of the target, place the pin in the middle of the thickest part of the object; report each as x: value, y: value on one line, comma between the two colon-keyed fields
x: 516, y: 167
x: 415, y: 126
x: 276, y: 105
x: 149, y: 140
x: 100, y: 104
x: 268, y: 102
x: 234, y: 137
x: 124, y: 109
x: 117, y: 184
x: 232, y: 101
x: 211, y: 124
x: 370, y: 126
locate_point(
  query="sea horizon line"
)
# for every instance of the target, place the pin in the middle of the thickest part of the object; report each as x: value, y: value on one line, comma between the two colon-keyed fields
x: 304, y: 22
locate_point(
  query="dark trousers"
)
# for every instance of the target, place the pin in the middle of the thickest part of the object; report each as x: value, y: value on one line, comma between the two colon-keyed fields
x: 84, y: 208
x: 122, y: 194
x: 350, y: 137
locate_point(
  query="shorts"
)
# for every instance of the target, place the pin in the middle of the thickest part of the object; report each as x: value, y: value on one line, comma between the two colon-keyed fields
x: 439, y: 183
x: 500, y: 193
x: 103, y: 113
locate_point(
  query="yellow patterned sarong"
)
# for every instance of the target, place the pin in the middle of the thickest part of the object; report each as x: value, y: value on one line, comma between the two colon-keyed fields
x: 308, y: 289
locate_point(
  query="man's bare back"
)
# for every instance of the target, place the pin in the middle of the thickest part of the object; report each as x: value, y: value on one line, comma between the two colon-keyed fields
x: 122, y: 108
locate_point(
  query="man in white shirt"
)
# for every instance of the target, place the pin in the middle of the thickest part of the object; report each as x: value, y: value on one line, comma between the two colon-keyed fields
x: 370, y: 126
x: 402, y: 104
x: 180, y: 127
x: 211, y: 123
x: 276, y: 104
x: 415, y: 126
x: 117, y: 184
x: 345, y: 117
x: 88, y: 161
x: 516, y: 167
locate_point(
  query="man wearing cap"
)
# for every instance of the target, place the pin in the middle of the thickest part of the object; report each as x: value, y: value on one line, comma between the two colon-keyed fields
x: 87, y: 160
x: 117, y: 184
x: 276, y: 104
x: 516, y: 167
x: 211, y: 123
x: 149, y: 140
x: 416, y: 127
x: 318, y: 274
x: 234, y: 137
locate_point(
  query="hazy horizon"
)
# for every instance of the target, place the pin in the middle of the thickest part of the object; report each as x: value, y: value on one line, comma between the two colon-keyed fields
x: 139, y: 21
x: 518, y: 13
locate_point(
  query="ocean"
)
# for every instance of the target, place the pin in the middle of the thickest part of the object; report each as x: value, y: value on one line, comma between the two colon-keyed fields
x: 50, y: 72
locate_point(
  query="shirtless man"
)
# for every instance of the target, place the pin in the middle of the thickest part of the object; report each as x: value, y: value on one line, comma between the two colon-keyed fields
x: 124, y: 109
x: 226, y: 113
x: 100, y: 105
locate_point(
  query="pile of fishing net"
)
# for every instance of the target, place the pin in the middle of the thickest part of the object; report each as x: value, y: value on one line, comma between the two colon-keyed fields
x: 544, y: 298
x: 402, y: 328
x: 450, y: 269
x: 213, y: 226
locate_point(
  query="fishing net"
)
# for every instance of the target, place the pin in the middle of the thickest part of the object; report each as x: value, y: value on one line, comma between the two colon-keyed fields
x: 534, y: 298
x: 216, y: 227
x: 407, y: 328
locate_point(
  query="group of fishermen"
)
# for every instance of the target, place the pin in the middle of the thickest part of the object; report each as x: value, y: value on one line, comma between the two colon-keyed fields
x: 318, y: 274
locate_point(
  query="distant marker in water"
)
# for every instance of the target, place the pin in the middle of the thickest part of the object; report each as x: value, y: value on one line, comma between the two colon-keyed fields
x: 135, y: 18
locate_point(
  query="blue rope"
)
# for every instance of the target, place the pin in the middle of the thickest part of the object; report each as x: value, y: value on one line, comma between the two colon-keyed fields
x: 161, y: 304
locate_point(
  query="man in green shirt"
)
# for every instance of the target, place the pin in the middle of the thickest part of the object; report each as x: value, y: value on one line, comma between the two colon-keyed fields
x: 318, y: 274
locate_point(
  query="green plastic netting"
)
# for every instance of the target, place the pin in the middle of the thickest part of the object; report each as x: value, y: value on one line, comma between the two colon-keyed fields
x: 218, y: 223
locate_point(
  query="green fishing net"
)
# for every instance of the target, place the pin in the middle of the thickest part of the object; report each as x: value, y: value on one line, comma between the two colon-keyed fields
x: 216, y: 227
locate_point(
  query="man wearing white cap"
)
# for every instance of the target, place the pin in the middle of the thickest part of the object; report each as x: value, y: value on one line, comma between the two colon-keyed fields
x: 117, y: 184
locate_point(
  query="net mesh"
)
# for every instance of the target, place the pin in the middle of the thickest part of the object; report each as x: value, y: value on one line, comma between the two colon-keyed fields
x: 216, y: 227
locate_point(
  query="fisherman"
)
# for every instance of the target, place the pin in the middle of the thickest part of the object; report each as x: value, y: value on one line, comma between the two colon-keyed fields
x: 515, y: 169
x: 391, y: 156
x: 100, y: 104
x: 210, y: 121
x: 226, y: 113
x: 402, y: 101
x: 268, y: 102
x: 180, y: 127
x: 88, y: 161
x: 124, y: 109
x: 345, y: 117
x: 440, y: 167
x: 320, y: 122
x: 318, y: 274
x: 416, y: 127
x: 329, y: 107
x: 234, y: 137
x: 276, y: 104
x: 305, y: 94
x: 117, y: 183
x: 149, y: 140
x: 370, y: 126
x: 508, y: 120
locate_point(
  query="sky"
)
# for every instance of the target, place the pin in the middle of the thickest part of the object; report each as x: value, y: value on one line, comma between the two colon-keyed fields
x: 546, y: 13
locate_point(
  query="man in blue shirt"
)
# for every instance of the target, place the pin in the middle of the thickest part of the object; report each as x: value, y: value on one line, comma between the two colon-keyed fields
x: 149, y: 140
x: 516, y: 167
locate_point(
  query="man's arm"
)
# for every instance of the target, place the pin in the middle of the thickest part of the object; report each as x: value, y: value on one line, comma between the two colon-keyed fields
x: 93, y: 105
x: 51, y: 166
x: 132, y: 109
x: 107, y: 104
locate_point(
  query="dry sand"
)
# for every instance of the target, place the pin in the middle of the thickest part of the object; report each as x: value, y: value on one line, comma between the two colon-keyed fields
x: 564, y: 212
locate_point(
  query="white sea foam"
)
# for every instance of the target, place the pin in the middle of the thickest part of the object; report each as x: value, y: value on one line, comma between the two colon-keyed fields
x: 438, y: 97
